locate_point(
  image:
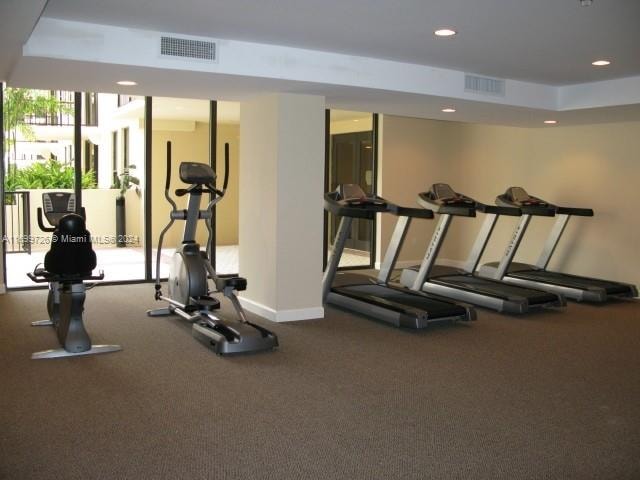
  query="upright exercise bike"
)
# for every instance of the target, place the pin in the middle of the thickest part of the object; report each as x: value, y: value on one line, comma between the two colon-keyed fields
x: 189, y: 295
x: 67, y: 265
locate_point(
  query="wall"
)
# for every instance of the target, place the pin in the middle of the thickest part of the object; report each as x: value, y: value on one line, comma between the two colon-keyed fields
x: 191, y: 143
x: 586, y: 166
x: 101, y: 218
x: 412, y: 155
x: 112, y: 118
x: 364, y: 123
x: 227, y: 209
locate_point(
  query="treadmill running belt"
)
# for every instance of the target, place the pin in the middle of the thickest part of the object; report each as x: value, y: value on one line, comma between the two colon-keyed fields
x: 571, y: 281
x: 493, y: 288
x: 401, y: 297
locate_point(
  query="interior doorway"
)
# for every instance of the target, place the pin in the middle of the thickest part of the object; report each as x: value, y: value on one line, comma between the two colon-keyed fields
x: 352, y: 162
x: 351, y: 158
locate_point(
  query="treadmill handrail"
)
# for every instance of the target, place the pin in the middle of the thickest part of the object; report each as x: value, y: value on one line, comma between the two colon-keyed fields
x: 344, y: 208
x: 546, y: 210
x: 410, y: 212
x: 498, y: 210
x: 367, y: 207
x: 578, y: 212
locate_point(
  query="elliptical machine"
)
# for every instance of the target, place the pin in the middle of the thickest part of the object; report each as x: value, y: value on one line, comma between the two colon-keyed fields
x: 189, y: 295
x: 67, y: 265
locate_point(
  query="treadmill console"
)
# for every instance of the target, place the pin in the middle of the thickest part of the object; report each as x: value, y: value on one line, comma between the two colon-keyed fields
x: 445, y: 200
x: 518, y: 197
x: 349, y: 200
x: 529, y: 205
x: 443, y: 194
x: 352, y: 195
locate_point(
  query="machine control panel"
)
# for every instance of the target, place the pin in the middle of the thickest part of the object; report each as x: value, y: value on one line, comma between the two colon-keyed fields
x: 197, y: 173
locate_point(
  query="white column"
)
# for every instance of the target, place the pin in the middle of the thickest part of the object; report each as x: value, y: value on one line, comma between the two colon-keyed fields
x: 281, y: 201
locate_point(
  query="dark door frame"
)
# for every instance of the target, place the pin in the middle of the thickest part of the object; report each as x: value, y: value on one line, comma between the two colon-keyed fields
x: 148, y: 139
x: 327, y: 180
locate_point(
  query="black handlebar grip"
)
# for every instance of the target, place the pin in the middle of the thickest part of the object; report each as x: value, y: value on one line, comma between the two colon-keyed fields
x: 168, y: 181
x: 226, y: 167
x: 41, y: 223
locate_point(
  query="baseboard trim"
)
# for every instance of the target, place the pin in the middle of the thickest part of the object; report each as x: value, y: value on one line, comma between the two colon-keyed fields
x: 292, y: 315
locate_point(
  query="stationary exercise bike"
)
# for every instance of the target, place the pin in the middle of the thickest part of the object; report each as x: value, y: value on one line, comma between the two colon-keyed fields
x: 67, y: 265
x: 189, y: 295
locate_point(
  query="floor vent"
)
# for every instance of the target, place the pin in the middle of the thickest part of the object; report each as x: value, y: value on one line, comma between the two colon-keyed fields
x: 187, y: 48
x: 484, y: 85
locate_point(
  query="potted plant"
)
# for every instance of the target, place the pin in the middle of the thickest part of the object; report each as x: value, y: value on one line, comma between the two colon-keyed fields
x: 123, y: 181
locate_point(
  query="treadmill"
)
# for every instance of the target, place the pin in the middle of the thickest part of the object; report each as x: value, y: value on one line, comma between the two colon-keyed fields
x: 463, y: 284
x: 377, y: 298
x: 574, y: 287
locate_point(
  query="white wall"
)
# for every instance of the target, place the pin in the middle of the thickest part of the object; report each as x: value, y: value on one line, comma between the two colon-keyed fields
x: 412, y: 156
x: 584, y: 166
x: 281, y: 183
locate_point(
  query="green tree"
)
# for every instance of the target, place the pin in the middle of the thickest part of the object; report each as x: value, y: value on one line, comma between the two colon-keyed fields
x: 20, y: 103
x: 47, y: 174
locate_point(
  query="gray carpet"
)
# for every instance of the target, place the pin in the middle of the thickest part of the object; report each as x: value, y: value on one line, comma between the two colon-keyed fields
x: 550, y: 395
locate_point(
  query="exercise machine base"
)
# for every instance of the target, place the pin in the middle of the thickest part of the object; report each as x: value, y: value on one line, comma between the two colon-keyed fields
x: 227, y: 339
x: 62, y: 353
x: 223, y: 337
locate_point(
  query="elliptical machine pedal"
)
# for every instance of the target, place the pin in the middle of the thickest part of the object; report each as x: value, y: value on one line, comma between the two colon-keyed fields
x: 241, y: 337
x: 190, y: 272
x: 203, y: 302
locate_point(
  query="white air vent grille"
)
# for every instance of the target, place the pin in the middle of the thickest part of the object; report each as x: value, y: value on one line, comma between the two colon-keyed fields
x: 187, y: 48
x: 486, y: 85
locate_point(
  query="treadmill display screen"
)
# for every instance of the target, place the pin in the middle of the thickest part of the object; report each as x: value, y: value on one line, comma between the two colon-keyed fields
x: 443, y: 191
x: 350, y: 191
x: 519, y: 194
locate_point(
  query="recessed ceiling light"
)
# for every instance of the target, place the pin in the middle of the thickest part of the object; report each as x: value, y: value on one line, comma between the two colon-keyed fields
x: 601, y: 63
x: 550, y: 122
x: 448, y: 110
x: 127, y: 83
x: 586, y: 3
x: 445, y: 32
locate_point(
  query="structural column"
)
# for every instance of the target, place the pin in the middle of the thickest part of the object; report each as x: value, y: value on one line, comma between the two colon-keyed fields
x: 281, y: 201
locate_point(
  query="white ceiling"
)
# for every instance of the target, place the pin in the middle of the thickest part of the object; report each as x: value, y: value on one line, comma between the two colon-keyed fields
x: 544, y: 41
x: 543, y: 48
x: 196, y: 110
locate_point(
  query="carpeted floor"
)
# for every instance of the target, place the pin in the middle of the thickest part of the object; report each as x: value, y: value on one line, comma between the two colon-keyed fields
x: 548, y: 396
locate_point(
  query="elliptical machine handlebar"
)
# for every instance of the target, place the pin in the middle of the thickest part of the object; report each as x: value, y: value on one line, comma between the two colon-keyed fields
x: 217, y: 195
x: 167, y: 182
x: 226, y: 168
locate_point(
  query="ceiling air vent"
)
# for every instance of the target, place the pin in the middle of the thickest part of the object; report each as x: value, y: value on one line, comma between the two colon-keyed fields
x: 187, y: 48
x: 484, y: 85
